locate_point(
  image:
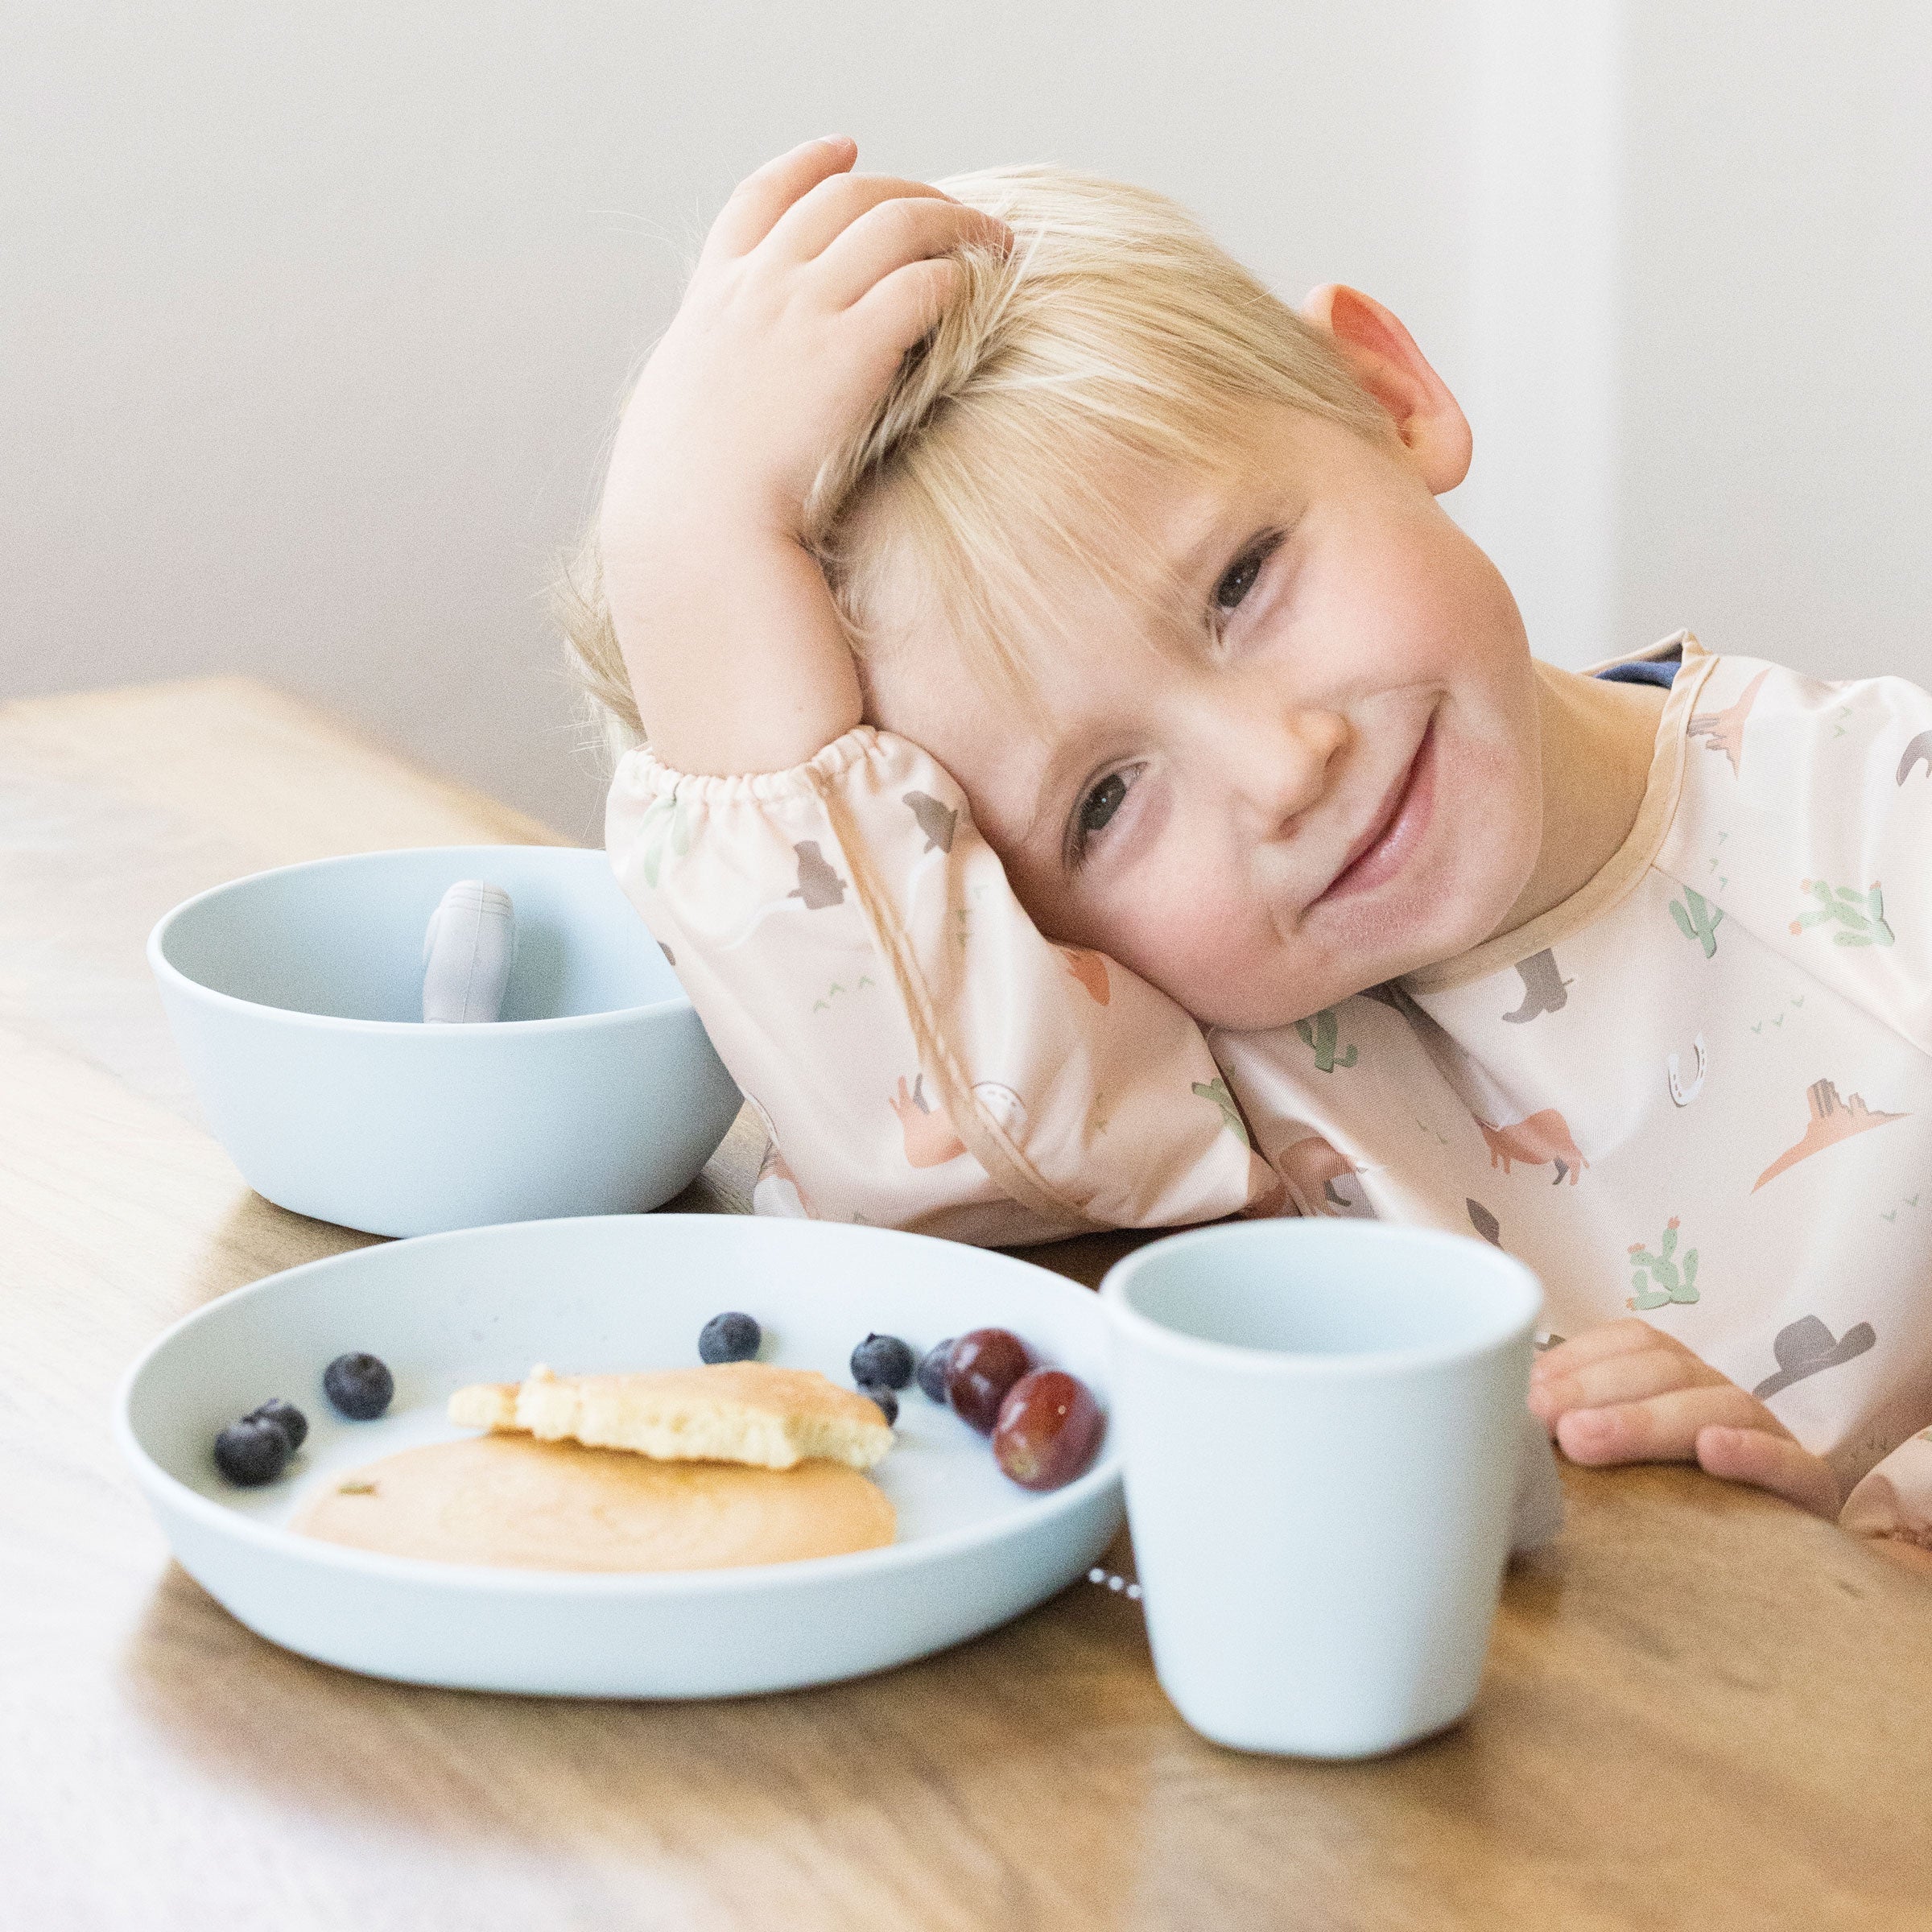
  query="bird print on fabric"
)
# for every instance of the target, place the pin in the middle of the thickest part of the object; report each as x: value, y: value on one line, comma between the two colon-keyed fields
x: 935, y: 820
x: 818, y: 886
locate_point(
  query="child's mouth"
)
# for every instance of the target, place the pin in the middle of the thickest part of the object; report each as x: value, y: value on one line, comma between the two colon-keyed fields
x: 1396, y: 831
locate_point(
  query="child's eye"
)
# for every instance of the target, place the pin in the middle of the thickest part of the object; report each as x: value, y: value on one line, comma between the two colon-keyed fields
x: 1237, y: 582
x: 1239, y: 577
x: 1102, y: 802
x: 1097, y: 809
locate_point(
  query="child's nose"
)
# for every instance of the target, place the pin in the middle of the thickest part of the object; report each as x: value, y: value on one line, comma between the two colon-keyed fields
x: 1277, y: 763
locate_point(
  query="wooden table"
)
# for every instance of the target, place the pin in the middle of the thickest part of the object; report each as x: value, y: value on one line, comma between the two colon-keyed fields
x: 1702, y: 1709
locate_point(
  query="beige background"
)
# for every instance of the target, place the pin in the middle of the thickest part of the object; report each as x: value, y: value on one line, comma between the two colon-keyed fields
x: 312, y: 319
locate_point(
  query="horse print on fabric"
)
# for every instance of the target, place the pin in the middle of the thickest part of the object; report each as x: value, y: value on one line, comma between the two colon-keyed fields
x: 1538, y: 1141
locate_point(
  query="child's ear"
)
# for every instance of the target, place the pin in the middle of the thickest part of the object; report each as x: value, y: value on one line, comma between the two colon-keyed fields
x: 1388, y: 364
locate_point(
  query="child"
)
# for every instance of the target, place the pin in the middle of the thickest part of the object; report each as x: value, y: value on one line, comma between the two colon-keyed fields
x: 1092, y: 783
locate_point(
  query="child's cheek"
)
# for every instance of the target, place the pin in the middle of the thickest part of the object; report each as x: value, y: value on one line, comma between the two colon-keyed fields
x: 1196, y: 938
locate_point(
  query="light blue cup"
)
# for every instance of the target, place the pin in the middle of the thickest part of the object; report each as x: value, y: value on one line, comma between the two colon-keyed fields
x: 296, y: 999
x: 1324, y: 1428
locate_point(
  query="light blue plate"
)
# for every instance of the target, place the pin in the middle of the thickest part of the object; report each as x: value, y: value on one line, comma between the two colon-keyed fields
x: 601, y: 1294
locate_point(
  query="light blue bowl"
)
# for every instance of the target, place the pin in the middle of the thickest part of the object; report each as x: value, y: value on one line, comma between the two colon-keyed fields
x: 295, y: 997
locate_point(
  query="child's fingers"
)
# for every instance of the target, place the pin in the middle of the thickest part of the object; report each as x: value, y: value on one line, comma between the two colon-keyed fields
x: 903, y: 307
x: 895, y: 234
x: 1595, y: 1344
x: 758, y: 202
x: 1629, y: 1377
x: 1769, y: 1462
x: 1661, y: 1428
x: 818, y: 218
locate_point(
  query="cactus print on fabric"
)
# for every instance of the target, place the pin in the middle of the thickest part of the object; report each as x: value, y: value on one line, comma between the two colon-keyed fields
x: 1319, y: 1034
x: 1697, y: 919
x: 1861, y: 915
x: 1665, y: 1277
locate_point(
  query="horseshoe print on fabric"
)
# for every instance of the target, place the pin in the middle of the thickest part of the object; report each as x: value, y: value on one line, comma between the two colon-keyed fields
x: 1683, y: 1092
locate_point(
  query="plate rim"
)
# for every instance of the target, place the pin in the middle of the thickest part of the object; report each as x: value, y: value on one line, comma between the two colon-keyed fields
x: 278, y: 1543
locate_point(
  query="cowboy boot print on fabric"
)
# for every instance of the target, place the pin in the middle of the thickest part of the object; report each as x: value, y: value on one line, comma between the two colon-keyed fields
x: 1545, y: 989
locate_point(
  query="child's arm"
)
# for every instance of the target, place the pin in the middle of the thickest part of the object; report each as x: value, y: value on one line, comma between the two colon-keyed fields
x: 813, y: 283
x: 923, y: 1057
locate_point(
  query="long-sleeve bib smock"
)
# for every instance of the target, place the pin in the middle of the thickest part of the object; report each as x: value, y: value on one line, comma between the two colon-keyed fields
x: 1700, y: 1090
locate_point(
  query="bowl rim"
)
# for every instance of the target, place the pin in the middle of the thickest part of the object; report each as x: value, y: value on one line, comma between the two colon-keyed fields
x: 174, y: 979
x: 170, y: 1495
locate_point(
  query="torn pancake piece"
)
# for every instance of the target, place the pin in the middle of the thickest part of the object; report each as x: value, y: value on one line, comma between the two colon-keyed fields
x: 734, y: 1412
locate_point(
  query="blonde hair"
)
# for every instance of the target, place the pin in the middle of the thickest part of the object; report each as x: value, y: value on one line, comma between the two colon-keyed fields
x: 1114, y: 327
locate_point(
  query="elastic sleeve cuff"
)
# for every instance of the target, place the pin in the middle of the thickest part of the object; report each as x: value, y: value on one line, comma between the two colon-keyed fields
x: 641, y: 773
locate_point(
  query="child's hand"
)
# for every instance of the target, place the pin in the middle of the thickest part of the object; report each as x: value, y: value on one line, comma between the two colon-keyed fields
x: 1627, y: 1393
x: 812, y: 285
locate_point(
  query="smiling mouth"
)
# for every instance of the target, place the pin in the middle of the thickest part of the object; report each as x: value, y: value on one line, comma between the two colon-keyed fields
x: 1396, y: 831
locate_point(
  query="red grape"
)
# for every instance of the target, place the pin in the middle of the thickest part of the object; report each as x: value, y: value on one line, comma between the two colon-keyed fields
x: 1048, y: 1428
x: 984, y: 1364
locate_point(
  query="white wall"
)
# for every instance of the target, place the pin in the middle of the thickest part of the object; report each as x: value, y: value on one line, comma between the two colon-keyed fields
x: 1777, y: 323
x: 312, y: 318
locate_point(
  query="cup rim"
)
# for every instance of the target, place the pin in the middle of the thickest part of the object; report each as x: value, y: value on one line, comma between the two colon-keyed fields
x: 170, y: 976
x: 1232, y: 1356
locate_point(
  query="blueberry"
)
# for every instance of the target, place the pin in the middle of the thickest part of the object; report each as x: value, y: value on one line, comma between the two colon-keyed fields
x: 731, y: 1337
x: 359, y: 1386
x: 883, y: 1359
x: 877, y: 1392
x: 252, y: 1451
x: 932, y: 1369
x: 286, y: 1417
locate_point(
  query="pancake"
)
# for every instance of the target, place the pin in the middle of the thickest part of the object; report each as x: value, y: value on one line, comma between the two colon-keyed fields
x: 731, y: 1412
x: 512, y: 1501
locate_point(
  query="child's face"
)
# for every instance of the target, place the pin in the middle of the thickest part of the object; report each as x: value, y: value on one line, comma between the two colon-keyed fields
x: 1318, y: 770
